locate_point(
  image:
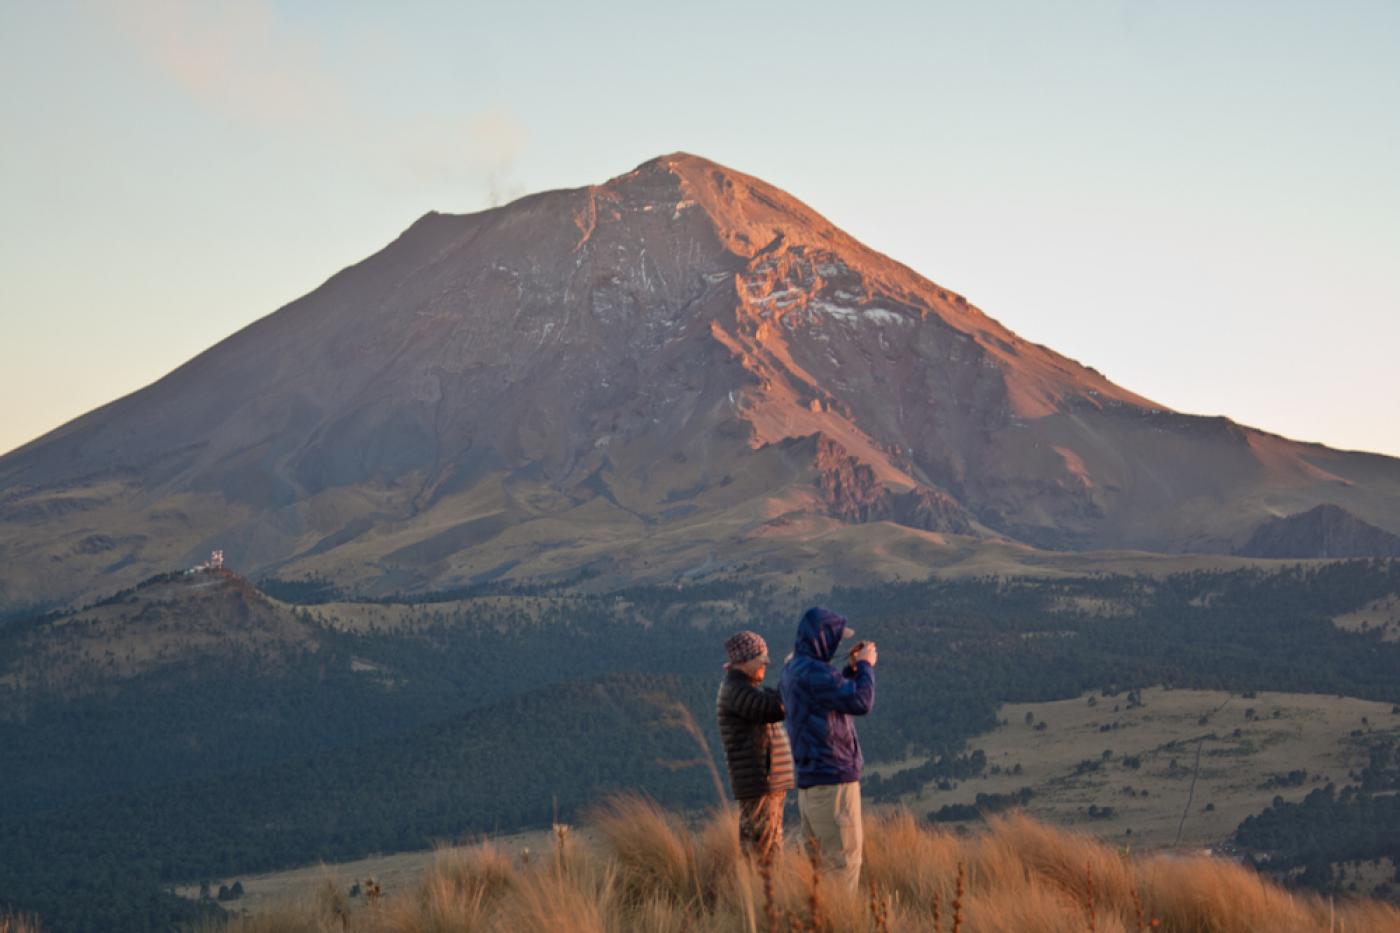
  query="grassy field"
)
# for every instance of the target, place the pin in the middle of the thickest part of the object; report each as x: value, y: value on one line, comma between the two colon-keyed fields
x: 1078, y: 760
x: 1383, y: 614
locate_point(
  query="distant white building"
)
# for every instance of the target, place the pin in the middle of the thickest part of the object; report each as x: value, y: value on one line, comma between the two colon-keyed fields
x: 215, y: 562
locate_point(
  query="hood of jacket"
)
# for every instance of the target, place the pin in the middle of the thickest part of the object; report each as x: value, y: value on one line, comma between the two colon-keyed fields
x: 819, y: 633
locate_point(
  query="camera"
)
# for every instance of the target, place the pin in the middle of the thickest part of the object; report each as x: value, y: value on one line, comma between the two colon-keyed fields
x: 851, y: 657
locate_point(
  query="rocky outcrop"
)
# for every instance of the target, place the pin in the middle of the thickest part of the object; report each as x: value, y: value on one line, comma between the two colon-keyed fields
x: 931, y: 510
x: 848, y: 487
x: 1325, y: 531
x: 852, y: 493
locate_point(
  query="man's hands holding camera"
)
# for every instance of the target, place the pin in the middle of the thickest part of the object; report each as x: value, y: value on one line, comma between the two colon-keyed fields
x: 864, y: 651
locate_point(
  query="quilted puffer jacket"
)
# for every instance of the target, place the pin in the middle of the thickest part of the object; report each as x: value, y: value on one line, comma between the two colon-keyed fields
x: 755, y: 745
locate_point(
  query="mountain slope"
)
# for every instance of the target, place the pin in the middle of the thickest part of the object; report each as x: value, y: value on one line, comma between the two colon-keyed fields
x: 681, y: 370
x: 1324, y: 531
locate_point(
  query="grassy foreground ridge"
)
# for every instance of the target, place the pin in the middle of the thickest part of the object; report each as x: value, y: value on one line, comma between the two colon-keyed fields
x: 649, y: 872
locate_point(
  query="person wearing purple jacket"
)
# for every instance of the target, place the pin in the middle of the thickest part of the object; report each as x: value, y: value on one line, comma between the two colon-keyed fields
x: 819, y: 702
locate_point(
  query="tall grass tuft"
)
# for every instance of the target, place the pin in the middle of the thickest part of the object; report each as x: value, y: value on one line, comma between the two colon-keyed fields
x: 1209, y: 895
x: 772, y: 916
x: 458, y: 893
x: 649, y: 871
x: 915, y: 863
x: 958, y: 896
x: 655, y: 855
x: 814, y: 884
x: 19, y: 923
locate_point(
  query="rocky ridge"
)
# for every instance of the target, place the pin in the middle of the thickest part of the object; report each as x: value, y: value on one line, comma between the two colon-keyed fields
x: 1324, y: 531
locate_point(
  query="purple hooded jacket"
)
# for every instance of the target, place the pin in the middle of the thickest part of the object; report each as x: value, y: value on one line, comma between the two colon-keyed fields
x: 819, y: 702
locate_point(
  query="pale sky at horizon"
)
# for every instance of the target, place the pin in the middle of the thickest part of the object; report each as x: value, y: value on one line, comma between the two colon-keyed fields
x: 1199, y: 199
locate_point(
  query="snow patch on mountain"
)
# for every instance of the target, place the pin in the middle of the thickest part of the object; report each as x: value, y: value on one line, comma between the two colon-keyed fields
x: 854, y: 315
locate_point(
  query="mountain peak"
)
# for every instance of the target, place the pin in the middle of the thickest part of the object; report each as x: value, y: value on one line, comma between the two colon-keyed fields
x: 627, y: 376
x: 747, y: 212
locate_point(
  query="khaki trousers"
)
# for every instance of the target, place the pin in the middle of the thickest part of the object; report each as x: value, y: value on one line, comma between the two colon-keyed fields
x: 831, y: 816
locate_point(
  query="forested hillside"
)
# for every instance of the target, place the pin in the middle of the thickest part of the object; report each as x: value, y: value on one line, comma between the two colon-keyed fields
x: 469, y: 716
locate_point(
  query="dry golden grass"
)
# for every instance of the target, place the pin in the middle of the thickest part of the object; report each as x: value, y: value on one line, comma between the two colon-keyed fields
x: 19, y: 923
x: 650, y: 872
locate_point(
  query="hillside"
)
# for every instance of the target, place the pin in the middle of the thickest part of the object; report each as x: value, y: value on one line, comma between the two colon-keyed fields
x: 1255, y: 750
x: 677, y: 373
x: 1324, y: 531
x: 169, y: 620
x: 401, y: 724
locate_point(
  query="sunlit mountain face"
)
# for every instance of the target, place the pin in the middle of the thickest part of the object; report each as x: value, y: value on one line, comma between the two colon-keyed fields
x: 680, y: 372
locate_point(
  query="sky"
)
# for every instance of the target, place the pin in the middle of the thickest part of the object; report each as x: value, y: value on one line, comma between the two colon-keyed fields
x: 1199, y: 199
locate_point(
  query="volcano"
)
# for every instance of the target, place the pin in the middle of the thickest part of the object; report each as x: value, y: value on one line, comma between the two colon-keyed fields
x: 680, y: 372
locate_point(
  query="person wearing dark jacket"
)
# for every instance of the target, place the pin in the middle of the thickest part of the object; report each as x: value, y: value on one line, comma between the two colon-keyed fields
x: 820, y: 701
x: 755, y: 745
